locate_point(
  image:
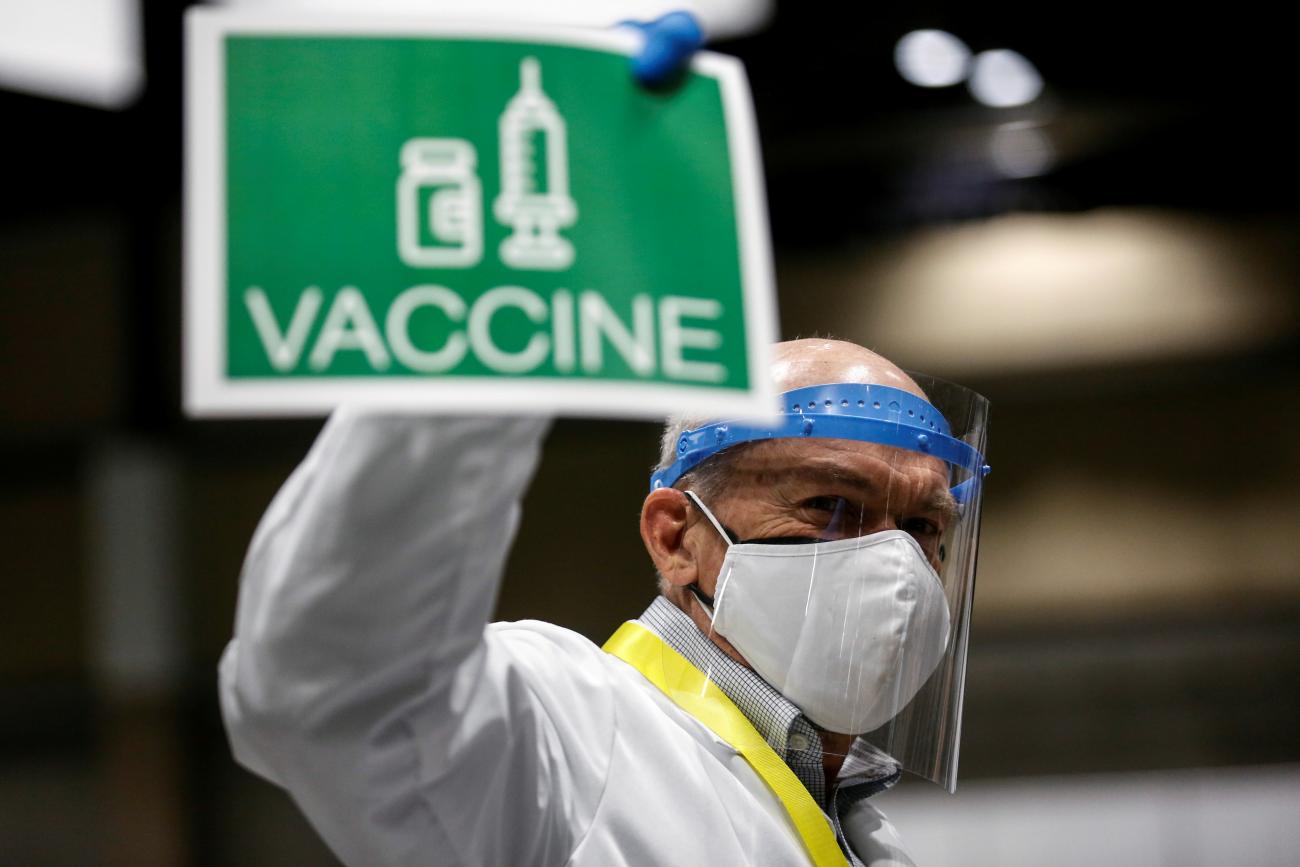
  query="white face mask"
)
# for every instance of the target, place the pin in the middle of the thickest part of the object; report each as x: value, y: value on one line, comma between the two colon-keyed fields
x: 848, y: 630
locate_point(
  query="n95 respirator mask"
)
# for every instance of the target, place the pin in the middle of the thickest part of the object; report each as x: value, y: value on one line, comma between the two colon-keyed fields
x: 847, y: 630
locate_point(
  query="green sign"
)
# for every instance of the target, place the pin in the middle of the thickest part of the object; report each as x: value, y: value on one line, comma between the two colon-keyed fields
x: 482, y: 219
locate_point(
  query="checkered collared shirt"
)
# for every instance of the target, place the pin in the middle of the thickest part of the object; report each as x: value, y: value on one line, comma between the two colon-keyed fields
x: 866, y: 770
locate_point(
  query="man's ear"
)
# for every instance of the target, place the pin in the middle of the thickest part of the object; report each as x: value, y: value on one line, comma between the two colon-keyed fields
x: 663, y: 530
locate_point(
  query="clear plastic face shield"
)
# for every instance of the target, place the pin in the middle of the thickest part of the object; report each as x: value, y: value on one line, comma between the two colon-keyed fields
x: 850, y: 529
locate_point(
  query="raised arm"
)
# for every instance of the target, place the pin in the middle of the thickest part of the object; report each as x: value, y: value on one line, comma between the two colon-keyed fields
x: 359, y: 659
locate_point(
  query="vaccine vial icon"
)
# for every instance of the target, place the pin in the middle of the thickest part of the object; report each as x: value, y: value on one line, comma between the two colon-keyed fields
x: 439, y: 204
x: 534, y: 201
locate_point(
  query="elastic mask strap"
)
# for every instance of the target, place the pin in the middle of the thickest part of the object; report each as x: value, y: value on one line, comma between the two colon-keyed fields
x: 717, y: 525
x: 703, y: 598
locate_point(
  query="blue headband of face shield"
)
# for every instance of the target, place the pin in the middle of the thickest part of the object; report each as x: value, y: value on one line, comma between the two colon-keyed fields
x: 843, y: 411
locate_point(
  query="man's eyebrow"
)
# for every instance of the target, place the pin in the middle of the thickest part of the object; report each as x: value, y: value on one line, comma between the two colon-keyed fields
x: 943, y: 501
x: 940, y: 501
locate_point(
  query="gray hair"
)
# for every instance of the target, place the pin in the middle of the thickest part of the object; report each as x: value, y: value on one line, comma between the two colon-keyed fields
x: 709, y: 478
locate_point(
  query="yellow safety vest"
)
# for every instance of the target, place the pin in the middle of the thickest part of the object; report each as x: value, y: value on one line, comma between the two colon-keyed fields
x: 694, y: 693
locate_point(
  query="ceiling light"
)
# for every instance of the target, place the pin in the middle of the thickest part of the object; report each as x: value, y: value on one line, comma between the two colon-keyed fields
x: 1002, y: 78
x: 931, y: 58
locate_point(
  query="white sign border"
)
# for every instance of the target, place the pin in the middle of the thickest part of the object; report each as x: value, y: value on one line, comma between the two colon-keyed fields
x: 209, y: 392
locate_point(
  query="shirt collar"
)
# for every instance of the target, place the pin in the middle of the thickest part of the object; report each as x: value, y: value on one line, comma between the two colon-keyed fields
x: 866, y: 770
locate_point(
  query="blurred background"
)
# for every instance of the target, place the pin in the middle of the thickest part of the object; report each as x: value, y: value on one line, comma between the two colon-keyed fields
x: 1086, y: 212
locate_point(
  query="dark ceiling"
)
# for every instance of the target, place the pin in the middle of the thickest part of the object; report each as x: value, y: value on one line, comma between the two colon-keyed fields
x: 1142, y: 109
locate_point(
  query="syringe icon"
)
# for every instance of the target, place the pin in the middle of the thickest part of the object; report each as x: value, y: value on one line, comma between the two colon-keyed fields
x: 534, y: 199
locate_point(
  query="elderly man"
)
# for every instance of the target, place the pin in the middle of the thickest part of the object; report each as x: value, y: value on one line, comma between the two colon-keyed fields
x: 815, y: 576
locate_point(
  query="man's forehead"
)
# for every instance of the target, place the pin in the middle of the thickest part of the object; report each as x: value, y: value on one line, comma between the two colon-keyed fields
x: 849, y: 459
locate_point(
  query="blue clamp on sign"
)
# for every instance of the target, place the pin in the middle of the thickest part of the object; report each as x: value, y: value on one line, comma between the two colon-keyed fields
x: 851, y: 411
x: 670, y: 41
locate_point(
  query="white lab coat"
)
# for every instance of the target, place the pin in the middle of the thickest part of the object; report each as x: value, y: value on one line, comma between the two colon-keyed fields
x: 362, y: 679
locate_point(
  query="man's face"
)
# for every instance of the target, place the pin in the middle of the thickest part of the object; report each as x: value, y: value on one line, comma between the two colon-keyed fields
x: 822, y: 490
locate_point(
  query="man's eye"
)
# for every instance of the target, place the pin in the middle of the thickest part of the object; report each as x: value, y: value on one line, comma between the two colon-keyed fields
x: 921, y: 527
x: 824, y: 504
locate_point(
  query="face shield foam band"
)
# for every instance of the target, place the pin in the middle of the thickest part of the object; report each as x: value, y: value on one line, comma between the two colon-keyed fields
x: 846, y: 411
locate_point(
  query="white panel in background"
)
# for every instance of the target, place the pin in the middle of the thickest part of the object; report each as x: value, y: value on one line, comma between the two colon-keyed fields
x: 721, y: 18
x: 87, y: 51
x: 1191, y: 818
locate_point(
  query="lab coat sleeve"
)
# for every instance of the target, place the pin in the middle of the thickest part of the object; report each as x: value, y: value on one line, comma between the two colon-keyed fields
x: 361, y: 677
